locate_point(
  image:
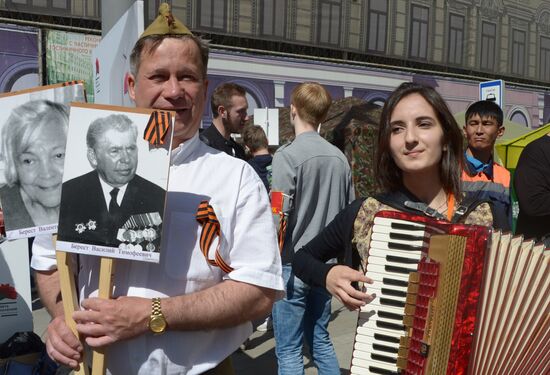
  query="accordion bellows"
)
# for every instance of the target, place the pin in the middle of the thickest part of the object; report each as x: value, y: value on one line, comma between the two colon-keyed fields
x: 452, y: 299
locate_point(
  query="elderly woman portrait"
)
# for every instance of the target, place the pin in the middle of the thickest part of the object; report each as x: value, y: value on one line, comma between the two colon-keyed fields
x: 33, y: 153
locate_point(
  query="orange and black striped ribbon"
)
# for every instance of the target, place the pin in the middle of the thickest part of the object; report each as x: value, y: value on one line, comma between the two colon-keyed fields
x: 210, y: 229
x: 157, y: 127
x: 282, y: 231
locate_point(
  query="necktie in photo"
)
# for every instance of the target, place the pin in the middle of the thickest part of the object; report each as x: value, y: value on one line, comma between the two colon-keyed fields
x: 114, y: 208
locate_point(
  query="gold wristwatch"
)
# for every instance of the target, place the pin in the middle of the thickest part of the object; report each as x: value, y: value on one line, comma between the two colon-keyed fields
x: 157, y: 322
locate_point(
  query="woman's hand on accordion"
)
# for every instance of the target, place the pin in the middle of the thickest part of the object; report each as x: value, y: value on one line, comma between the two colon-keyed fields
x: 338, y: 283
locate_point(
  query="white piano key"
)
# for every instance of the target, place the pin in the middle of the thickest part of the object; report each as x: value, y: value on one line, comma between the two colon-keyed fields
x: 381, y: 301
x: 389, y: 279
x: 380, y: 269
x: 375, y: 347
x: 389, y: 304
x: 365, y: 344
x: 357, y: 370
x: 380, y: 364
x: 375, y: 311
x: 387, y: 291
x: 389, y: 229
x: 410, y: 225
x: 389, y: 325
x: 384, y: 237
x: 396, y: 262
x: 370, y: 328
x: 382, y: 253
x: 379, y: 284
x: 403, y: 246
x: 385, y: 221
x: 369, y: 331
x: 369, y: 339
x: 384, y: 250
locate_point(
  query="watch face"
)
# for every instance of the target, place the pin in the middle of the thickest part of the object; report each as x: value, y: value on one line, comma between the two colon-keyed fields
x: 157, y: 324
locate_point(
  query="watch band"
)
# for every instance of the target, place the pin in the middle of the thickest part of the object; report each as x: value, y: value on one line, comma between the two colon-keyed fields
x: 155, y: 306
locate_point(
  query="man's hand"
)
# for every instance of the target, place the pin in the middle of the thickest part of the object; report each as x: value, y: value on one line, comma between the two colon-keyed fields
x: 338, y: 283
x: 62, y: 345
x: 103, y: 322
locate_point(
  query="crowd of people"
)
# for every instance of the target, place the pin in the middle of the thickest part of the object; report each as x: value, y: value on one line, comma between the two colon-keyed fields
x: 292, y: 233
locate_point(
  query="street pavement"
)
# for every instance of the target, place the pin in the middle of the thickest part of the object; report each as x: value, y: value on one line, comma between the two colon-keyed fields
x: 259, y: 356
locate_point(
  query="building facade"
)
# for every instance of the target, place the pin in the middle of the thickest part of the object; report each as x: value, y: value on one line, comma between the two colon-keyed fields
x: 508, y: 38
x: 360, y: 48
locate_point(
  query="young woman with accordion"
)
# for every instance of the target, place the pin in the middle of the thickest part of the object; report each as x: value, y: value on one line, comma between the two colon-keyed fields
x: 416, y: 257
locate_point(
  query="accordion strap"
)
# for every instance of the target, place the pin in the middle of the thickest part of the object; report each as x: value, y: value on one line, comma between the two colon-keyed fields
x: 405, y: 203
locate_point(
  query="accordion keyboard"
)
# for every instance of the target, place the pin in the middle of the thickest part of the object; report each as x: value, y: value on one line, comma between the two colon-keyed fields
x: 395, y: 250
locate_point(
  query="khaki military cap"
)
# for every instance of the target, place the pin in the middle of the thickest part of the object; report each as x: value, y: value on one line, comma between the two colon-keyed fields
x: 166, y: 24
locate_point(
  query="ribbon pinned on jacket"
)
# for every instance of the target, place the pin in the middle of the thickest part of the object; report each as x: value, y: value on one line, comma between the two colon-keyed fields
x: 279, y: 203
x: 157, y: 127
x: 210, y: 229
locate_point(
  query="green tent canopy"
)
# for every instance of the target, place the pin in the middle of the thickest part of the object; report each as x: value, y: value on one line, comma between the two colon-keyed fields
x: 509, y: 151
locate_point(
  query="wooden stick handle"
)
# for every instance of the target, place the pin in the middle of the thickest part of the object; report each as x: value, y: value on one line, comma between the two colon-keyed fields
x: 69, y: 297
x: 106, y: 274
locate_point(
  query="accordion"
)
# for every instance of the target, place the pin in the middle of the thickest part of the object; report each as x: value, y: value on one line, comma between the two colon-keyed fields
x: 452, y: 299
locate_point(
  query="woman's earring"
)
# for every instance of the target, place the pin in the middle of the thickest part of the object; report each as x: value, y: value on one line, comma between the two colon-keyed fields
x: 444, y: 148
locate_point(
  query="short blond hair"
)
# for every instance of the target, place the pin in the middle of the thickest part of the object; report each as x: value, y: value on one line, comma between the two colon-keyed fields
x: 311, y: 101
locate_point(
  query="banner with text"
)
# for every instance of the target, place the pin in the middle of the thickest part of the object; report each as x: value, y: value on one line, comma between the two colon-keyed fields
x: 68, y: 58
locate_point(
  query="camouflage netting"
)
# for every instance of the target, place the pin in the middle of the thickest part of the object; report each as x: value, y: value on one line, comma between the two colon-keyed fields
x: 352, y: 126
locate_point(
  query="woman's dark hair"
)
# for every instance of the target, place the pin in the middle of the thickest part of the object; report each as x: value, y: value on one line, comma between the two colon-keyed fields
x: 388, y: 174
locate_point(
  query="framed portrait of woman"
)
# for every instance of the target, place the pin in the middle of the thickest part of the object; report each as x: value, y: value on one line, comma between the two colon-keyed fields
x: 33, y: 134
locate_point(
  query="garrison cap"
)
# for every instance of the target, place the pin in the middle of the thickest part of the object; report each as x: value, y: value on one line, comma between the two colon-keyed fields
x: 166, y: 24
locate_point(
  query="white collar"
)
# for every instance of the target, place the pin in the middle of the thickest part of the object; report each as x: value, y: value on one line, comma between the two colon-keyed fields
x: 184, y: 150
x: 107, y: 192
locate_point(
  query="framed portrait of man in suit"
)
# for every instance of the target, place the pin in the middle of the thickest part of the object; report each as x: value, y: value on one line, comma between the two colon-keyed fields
x: 115, y: 182
x: 33, y: 133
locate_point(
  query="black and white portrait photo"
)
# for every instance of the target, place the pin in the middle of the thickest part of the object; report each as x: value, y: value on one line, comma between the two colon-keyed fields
x: 114, y: 189
x: 32, y: 152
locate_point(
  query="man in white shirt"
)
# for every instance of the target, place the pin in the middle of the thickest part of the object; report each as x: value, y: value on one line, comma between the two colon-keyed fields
x: 203, y: 313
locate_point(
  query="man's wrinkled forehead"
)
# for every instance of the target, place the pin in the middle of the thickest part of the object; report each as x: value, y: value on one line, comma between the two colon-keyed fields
x: 150, y: 47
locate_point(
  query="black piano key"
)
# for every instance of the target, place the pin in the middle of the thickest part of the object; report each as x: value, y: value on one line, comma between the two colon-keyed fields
x: 388, y: 281
x: 383, y: 371
x: 389, y: 315
x: 396, y: 259
x: 391, y: 302
x: 384, y: 348
x: 410, y: 227
x: 383, y: 358
x: 396, y: 327
x: 393, y: 292
x: 402, y: 270
x: 382, y: 337
x: 402, y: 246
x: 405, y: 237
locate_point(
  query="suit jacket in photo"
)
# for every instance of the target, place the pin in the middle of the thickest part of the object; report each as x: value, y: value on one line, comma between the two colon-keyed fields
x: 83, y: 202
